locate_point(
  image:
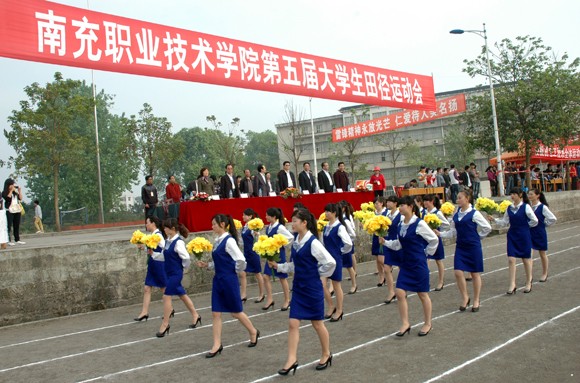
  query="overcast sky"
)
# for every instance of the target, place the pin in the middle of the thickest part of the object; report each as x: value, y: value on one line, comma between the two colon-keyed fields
x: 411, y: 36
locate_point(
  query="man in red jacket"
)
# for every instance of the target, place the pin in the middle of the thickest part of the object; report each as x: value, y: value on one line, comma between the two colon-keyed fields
x: 173, y: 197
x: 378, y: 182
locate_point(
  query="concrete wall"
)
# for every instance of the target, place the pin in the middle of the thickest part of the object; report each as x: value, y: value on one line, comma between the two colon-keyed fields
x: 57, y: 281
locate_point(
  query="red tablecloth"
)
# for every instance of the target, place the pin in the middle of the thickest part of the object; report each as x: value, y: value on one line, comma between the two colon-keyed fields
x: 197, y: 215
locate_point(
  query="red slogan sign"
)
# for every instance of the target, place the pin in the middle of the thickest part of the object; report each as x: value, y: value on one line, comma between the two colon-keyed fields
x: 446, y: 107
x: 42, y: 31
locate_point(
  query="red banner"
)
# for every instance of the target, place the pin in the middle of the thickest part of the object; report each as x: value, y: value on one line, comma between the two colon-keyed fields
x: 42, y: 31
x: 446, y: 107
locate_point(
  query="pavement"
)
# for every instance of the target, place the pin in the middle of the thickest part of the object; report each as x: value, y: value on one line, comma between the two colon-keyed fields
x: 523, y: 337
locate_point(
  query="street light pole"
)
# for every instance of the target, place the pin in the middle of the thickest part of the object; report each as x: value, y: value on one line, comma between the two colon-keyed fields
x: 500, y: 177
x: 313, y: 145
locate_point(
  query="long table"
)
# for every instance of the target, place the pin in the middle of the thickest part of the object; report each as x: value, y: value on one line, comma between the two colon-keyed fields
x: 197, y: 215
x: 439, y: 191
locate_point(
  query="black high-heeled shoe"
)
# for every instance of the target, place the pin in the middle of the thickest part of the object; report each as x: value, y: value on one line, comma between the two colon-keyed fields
x: 381, y: 283
x: 172, y: 313
x: 253, y: 344
x: 408, y: 330
x: 322, y: 366
x: 244, y: 299
x: 292, y: 368
x: 439, y: 288
x: 463, y: 308
x: 527, y: 291
x: 544, y: 280
x: 285, y: 308
x: 198, y: 321
x: 333, y: 319
x: 332, y: 293
x: 425, y: 333
x: 388, y: 301
x: 260, y: 300
x: 212, y: 354
x: 267, y: 307
x: 139, y: 319
x: 353, y: 291
x: 330, y: 316
x: 162, y: 334
x: 512, y: 292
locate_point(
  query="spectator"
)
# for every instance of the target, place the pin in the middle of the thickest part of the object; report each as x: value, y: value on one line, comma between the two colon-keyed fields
x: 173, y: 197
x: 246, y: 184
x: 378, y: 182
x: 12, y: 195
x: 261, y: 187
x: 3, y: 226
x: 421, y: 176
x: 149, y: 196
x: 573, y: 174
x: 269, y: 183
x: 340, y: 177
x: 306, y: 179
x: 465, y: 178
x: 454, y: 181
x: 228, y: 188
x: 474, y: 175
x: 38, y: 217
x: 492, y: 178
x: 411, y: 184
x: 325, y: 181
x: 286, y: 179
x: 441, y: 182
x: 192, y: 188
x: 205, y: 182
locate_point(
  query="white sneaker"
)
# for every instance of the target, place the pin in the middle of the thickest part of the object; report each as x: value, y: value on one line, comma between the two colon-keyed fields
x: 21, y: 243
x: 11, y: 244
x: 38, y: 232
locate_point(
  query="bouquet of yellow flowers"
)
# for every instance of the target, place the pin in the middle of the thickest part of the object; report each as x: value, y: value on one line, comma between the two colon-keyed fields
x: 238, y: 224
x: 152, y: 240
x: 362, y: 216
x: 198, y: 245
x: 377, y: 225
x: 503, y: 206
x: 367, y: 206
x: 447, y: 209
x: 137, y: 237
x: 290, y: 193
x: 322, y: 222
x: 487, y: 205
x: 255, y: 224
x: 432, y: 220
x: 269, y: 247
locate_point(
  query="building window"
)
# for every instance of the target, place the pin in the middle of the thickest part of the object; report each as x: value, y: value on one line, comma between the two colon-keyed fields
x: 349, y: 120
x: 318, y: 128
x: 383, y: 156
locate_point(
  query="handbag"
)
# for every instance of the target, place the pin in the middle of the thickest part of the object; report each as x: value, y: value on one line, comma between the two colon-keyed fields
x: 15, y: 206
x: 22, y: 211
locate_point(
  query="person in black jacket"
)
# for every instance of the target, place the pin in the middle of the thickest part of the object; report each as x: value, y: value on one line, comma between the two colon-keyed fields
x: 149, y: 196
x: 286, y: 179
x: 306, y: 179
x: 228, y: 188
x: 325, y: 181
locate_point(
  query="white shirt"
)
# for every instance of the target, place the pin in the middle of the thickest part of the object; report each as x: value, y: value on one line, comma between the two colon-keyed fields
x: 350, y: 227
x: 180, y: 249
x: 453, y: 176
x: 329, y: 177
x: 343, y: 235
x: 233, y: 251
x: 444, y: 222
x: 232, y: 181
x: 326, y: 264
x: 282, y: 230
x: 290, y: 183
x: 505, y: 221
x: 159, y: 256
x: 483, y: 226
x: 422, y: 229
x: 549, y: 217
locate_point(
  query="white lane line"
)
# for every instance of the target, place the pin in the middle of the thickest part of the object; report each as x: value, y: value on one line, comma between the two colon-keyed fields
x: 107, y: 376
x: 499, y: 347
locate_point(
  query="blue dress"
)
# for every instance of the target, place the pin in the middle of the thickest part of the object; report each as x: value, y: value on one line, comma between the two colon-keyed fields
x: 225, y: 290
x: 307, y: 293
x: 156, y: 269
x: 173, y: 270
x: 414, y: 271
x: 282, y: 259
x: 393, y: 257
x: 347, y: 258
x: 468, y: 252
x: 538, y: 232
x: 519, y: 238
x: 440, y: 252
x: 376, y: 246
x: 333, y: 243
x: 252, y: 258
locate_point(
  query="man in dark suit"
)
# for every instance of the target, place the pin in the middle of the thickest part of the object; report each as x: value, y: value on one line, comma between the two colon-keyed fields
x: 247, y: 184
x: 228, y: 187
x: 286, y: 178
x: 325, y: 181
x: 340, y: 178
x: 260, y: 186
x: 465, y: 178
x: 306, y: 179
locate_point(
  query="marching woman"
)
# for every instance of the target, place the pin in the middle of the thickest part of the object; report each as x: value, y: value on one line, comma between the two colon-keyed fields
x: 392, y: 257
x: 419, y: 202
x: 520, y: 217
x: 432, y: 206
x: 228, y: 260
x: 274, y: 216
x: 469, y: 226
x: 252, y: 259
x: 338, y: 243
x: 349, y: 259
x: 416, y: 240
x: 309, y: 262
x: 380, y: 209
x: 155, y: 267
x: 176, y: 260
x: 539, y: 236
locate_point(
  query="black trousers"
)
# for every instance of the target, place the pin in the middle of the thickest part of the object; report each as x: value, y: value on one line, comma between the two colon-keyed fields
x: 14, y: 221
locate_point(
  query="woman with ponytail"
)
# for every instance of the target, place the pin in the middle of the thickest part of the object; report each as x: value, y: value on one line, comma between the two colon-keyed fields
x: 432, y: 206
x: 416, y: 240
x: 309, y: 262
x: 380, y: 209
x: 349, y: 259
x: 254, y: 265
x: 337, y: 242
x: 176, y: 260
x: 228, y: 260
x: 392, y: 257
x: 520, y: 217
x: 538, y: 233
x: 275, y: 217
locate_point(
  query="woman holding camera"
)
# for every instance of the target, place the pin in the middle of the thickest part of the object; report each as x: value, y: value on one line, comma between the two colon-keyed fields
x: 12, y: 195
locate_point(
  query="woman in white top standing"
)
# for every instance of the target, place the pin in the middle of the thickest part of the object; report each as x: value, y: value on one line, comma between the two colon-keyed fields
x: 3, y: 226
x: 539, y: 235
x: 520, y: 217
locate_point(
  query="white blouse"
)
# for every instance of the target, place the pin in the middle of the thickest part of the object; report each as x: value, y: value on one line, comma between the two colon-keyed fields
x: 326, y: 264
x: 483, y: 226
x: 444, y: 222
x: 422, y: 229
x: 549, y: 217
x: 233, y: 251
x: 505, y: 220
x: 158, y: 256
x: 180, y: 249
x: 343, y: 234
x: 350, y: 228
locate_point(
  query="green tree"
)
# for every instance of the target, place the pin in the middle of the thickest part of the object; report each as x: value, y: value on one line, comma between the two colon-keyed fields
x: 261, y: 148
x: 395, y: 144
x: 459, y: 147
x: 200, y: 150
x: 42, y: 133
x: 292, y: 143
x: 229, y: 142
x: 537, y: 97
